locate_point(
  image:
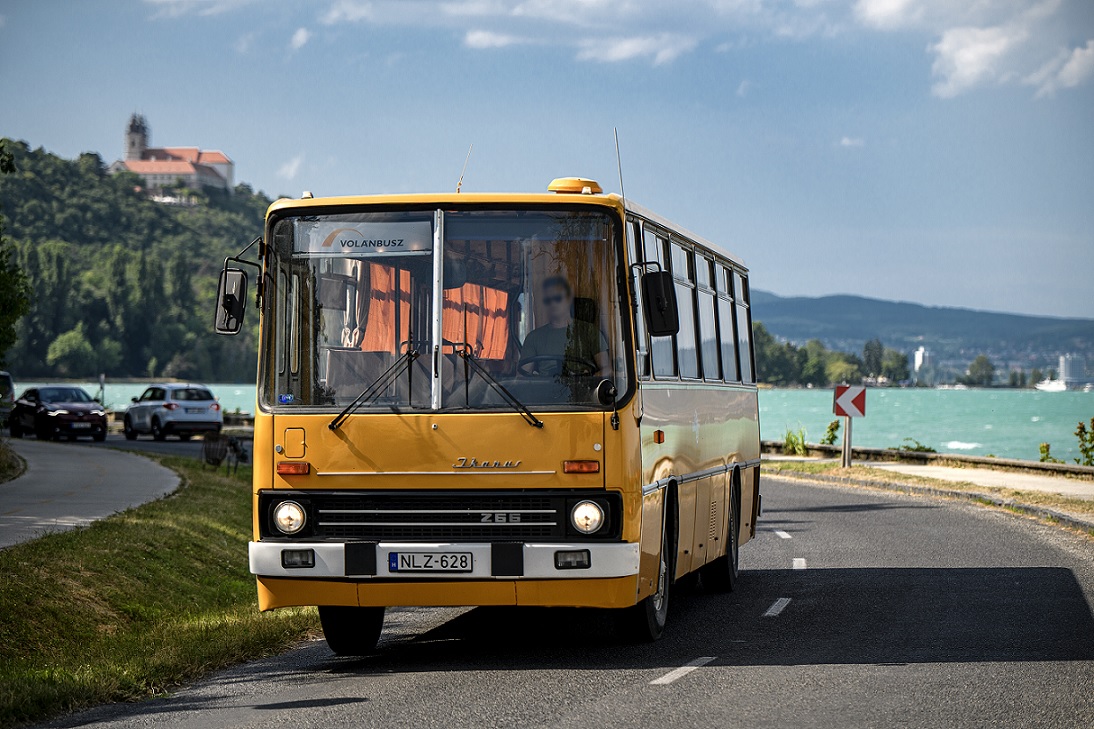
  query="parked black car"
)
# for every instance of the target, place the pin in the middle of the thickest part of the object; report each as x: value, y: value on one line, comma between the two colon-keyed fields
x: 53, y: 412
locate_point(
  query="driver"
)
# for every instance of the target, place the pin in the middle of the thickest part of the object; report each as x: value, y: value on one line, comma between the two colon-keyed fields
x: 564, y: 344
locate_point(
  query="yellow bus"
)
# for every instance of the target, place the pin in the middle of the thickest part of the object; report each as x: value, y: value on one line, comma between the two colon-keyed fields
x: 495, y: 399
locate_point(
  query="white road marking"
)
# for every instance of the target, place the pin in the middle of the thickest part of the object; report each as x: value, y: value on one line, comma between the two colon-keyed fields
x: 681, y: 671
x: 799, y: 563
x: 777, y: 607
x: 782, y: 535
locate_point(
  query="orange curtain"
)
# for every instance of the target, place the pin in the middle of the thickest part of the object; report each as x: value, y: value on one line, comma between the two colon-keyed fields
x: 380, y: 334
x: 477, y: 315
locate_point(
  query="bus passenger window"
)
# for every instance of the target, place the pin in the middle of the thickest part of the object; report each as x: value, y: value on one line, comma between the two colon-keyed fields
x: 687, y: 343
x: 726, y: 333
x: 744, y: 327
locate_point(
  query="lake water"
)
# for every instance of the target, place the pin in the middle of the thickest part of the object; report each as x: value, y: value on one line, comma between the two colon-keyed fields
x: 1005, y: 423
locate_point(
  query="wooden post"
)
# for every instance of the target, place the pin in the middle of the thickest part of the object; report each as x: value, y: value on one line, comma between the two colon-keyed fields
x: 846, y: 461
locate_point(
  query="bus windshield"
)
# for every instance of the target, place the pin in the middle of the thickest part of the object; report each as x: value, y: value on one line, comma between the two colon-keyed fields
x: 522, y: 302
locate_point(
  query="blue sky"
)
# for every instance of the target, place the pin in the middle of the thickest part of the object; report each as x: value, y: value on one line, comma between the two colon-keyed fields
x: 933, y: 151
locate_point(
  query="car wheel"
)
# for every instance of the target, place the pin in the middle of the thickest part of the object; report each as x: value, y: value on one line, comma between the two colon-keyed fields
x: 42, y: 433
x: 157, y: 430
x: 127, y: 428
x: 99, y: 437
x: 15, y: 428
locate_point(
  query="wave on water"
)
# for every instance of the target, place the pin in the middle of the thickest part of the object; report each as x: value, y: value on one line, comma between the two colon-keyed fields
x: 959, y: 445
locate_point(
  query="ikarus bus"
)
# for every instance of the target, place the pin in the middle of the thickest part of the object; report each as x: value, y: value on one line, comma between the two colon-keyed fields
x: 495, y: 399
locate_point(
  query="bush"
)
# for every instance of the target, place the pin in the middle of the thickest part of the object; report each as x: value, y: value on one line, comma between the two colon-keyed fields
x: 830, y: 433
x: 794, y: 443
x: 1086, y: 443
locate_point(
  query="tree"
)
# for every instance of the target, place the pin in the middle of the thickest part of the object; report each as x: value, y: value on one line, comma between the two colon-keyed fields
x: 1035, y: 376
x: 71, y: 353
x: 872, y: 357
x: 14, y: 289
x: 981, y: 372
x: 843, y: 371
x: 894, y: 366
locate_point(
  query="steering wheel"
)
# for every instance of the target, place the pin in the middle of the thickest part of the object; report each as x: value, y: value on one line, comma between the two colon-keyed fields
x: 585, y: 367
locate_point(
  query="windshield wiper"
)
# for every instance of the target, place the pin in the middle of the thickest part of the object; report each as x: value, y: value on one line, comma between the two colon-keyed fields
x: 510, y: 399
x: 381, y: 383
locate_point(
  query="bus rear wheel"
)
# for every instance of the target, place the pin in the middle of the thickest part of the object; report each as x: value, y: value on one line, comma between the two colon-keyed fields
x: 721, y: 574
x: 351, y: 631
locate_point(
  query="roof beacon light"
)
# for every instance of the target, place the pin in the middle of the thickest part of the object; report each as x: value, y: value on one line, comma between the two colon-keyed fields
x: 575, y: 186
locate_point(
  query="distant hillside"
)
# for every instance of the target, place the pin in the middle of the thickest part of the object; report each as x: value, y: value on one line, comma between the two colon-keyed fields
x: 952, y: 335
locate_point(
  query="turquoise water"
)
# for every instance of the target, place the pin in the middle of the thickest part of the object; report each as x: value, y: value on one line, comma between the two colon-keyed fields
x: 1005, y: 423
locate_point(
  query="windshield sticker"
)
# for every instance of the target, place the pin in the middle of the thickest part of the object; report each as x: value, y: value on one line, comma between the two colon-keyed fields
x: 337, y: 238
x: 285, y: 398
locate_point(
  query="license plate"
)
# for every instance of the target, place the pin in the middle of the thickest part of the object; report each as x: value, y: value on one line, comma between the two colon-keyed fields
x: 195, y: 410
x: 81, y: 425
x: 429, y: 562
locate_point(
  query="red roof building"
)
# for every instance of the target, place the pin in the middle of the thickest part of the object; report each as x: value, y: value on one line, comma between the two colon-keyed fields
x: 162, y: 167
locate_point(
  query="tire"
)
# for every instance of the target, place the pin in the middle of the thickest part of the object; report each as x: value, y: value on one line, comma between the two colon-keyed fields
x: 41, y: 433
x: 645, y: 622
x: 185, y: 436
x: 721, y: 575
x: 99, y: 437
x: 15, y: 428
x: 127, y: 429
x: 157, y: 430
x: 351, y: 631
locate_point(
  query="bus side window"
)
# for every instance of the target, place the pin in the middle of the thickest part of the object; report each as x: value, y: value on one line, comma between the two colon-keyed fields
x: 744, y: 327
x: 687, y: 342
x: 663, y: 349
x: 727, y: 335
x: 708, y: 329
x: 641, y: 344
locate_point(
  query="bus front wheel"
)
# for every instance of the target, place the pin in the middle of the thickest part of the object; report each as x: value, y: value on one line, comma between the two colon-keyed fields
x: 351, y: 631
x: 646, y: 621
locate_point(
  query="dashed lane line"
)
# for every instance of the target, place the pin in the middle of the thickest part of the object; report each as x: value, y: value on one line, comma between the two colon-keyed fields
x: 799, y: 563
x: 682, y: 671
x: 777, y: 607
x: 782, y: 535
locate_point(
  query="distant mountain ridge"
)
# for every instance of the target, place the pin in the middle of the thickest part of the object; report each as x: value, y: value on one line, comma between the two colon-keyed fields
x: 951, y: 334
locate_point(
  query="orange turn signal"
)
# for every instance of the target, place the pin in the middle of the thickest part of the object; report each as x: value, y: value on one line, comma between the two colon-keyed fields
x: 658, y: 436
x: 581, y: 466
x: 293, y: 468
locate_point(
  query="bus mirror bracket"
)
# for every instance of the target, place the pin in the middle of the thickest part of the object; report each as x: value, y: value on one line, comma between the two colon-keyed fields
x: 659, y: 301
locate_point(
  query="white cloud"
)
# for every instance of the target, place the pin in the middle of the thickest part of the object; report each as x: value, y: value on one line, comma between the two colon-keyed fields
x: 299, y: 38
x: 481, y: 39
x: 968, y: 57
x: 662, y: 48
x: 290, y: 168
x: 179, y: 8
x: 744, y: 87
x: 348, y: 11
x: 852, y: 142
x: 888, y: 14
x: 244, y: 43
x: 1079, y: 66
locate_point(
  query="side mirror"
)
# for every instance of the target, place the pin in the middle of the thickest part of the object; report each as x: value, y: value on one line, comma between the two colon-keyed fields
x: 606, y: 392
x: 231, y: 301
x: 659, y: 303
x: 133, y: 399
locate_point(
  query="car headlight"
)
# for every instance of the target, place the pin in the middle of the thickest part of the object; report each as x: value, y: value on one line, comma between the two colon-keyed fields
x: 58, y: 412
x: 587, y: 517
x: 289, y: 517
x: 98, y: 412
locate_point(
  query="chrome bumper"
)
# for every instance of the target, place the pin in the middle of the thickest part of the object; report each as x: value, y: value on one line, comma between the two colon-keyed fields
x: 506, y: 561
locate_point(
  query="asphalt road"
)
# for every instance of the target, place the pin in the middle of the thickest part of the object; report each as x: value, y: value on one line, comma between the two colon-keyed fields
x: 855, y: 609
x: 67, y: 485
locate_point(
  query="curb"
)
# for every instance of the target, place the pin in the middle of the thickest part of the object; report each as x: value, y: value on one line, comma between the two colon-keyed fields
x: 1057, y: 517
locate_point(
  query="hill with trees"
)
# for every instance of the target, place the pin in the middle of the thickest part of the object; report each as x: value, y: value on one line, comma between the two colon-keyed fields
x: 120, y: 284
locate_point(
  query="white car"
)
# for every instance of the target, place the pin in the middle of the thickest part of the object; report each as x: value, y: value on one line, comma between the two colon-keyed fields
x: 173, y: 409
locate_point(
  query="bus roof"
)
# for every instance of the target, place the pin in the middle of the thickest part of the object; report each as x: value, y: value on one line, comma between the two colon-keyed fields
x: 504, y: 198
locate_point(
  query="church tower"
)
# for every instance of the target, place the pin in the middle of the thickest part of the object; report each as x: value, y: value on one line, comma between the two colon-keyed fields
x: 136, y: 137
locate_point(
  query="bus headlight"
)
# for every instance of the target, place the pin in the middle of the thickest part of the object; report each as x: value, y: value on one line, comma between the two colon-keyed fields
x: 587, y: 517
x: 289, y: 517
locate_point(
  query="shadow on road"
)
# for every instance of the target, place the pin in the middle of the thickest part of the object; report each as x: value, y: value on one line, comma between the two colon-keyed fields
x: 836, y: 616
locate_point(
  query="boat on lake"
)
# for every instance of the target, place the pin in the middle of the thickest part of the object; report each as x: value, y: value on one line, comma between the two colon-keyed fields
x: 1051, y: 386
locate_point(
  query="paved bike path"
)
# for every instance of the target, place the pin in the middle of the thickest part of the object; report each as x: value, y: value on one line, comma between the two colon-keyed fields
x: 67, y: 485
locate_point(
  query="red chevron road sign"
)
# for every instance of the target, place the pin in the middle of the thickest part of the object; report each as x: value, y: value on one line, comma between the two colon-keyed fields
x: 850, y: 401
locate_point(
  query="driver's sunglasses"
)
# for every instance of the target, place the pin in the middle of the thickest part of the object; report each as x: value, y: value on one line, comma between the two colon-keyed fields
x: 553, y: 299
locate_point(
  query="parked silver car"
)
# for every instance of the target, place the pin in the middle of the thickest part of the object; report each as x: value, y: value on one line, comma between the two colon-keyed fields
x: 173, y: 409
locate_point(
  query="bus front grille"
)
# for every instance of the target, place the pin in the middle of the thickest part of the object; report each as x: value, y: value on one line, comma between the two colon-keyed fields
x: 441, y: 516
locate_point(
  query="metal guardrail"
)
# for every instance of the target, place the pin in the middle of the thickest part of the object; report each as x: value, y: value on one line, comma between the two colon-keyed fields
x: 952, y: 459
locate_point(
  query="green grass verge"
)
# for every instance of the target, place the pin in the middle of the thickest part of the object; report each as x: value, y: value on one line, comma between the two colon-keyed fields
x: 135, y: 604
